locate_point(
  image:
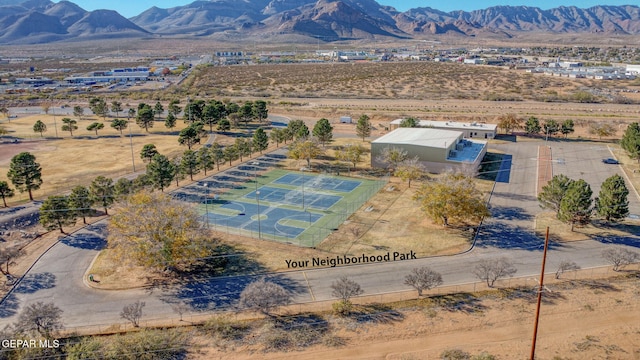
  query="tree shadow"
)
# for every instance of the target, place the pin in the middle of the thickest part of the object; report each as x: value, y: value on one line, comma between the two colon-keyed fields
x: 607, y: 236
x: 9, y: 305
x: 85, y: 241
x: 509, y: 213
x: 376, y: 313
x: 511, y: 196
x: 549, y: 297
x: 218, y: 282
x: 31, y: 283
x: 462, y: 302
x: 308, y: 321
x: 504, y: 236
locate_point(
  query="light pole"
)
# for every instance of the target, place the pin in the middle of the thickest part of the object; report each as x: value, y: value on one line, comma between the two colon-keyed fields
x: 133, y: 163
x: 206, y: 207
x: 55, y: 125
x: 258, y: 202
x: 303, y: 189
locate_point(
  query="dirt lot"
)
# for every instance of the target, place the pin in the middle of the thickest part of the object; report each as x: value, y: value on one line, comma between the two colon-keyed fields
x: 580, y: 319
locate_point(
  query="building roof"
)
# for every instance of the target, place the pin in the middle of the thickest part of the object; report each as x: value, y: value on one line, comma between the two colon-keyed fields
x: 435, y: 138
x: 453, y: 125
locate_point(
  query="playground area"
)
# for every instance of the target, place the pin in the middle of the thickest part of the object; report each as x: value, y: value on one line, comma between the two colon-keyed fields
x: 263, y: 202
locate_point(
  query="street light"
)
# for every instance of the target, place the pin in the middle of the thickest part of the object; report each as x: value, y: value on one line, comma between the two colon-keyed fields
x: 258, y: 202
x: 133, y: 162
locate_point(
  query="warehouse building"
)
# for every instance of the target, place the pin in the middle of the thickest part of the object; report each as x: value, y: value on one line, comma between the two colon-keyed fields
x: 436, y: 149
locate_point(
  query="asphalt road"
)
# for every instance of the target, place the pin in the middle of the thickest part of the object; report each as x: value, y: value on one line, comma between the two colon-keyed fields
x: 58, y: 276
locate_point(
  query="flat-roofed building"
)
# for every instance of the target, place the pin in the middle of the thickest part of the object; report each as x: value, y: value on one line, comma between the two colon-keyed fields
x: 436, y: 149
x: 469, y: 130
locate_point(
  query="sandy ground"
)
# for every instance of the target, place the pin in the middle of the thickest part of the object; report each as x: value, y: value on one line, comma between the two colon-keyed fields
x: 594, y: 320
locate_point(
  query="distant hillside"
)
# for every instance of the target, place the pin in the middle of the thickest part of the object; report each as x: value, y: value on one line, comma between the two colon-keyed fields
x: 36, y: 21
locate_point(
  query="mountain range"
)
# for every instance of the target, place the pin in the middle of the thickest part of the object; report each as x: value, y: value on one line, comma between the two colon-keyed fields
x: 43, y: 21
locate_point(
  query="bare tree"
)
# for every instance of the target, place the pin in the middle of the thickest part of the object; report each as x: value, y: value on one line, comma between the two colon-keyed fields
x: 264, y: 296
x: 180, y: 308
x: 345, y: 288
x: 566, y: 265
x: 8, y: 254
x: 620, y: 257
x: 423, y: 278
x: 490, y: 270
x: 133, y: 312
x: 39, y: 317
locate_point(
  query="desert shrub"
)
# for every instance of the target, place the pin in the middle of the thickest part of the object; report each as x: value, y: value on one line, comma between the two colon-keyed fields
x: 147, y: 345
x: 342, y: 307
x: 455, y: 354
x: 332, y: 340
x: 225, y: 328
x: 483, y: 356
x: 276, y: 340
x: 87, y: 348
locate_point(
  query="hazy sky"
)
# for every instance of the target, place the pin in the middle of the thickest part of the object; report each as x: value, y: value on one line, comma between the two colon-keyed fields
x: 130, y: 8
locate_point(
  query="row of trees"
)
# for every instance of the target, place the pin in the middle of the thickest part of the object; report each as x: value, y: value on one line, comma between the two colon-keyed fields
x: 58, y: 211
x: 571, y: 199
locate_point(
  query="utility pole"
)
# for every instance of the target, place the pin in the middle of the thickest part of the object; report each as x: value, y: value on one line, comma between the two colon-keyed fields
x: 540, y: 288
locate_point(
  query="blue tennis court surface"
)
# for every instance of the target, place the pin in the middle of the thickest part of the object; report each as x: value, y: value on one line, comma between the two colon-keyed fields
x: 299, y: 198
x: 318, y: 182
x: 276, y: 204
x: 273, y: 220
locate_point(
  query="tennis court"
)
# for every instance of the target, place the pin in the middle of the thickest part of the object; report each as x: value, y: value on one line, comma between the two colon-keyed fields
x: 267, y: 203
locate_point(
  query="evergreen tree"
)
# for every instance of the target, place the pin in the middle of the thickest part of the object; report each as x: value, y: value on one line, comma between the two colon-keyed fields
x: 55, y: 213
x: 567, y: 127
x: 224, y: 125
x: 532, y: 126
x: 170, y: 121
x: 5, y: 192
x: 260, y: 140
x: 102, y: 192
x: 145, y: 117
x: 123, y: 186
x: 191, y: 135
x: 205, y: 159
x: 161, y: 171
x: 260, y: 110
x: 95, y: 127
x: 217, y: 153
x: 323, y: 131
x: 363, y: 127
x: 39, y: 127
x: 551, y: 195
x: 148, y: 152
x: 189, y: 163
x: 630, y: 141
x: 80, y: 202
x: 409, y: 122
x: 69, y: 125
x: 158, y: 110
x: 612, y: 202
x: 551, y: 127
x: 575, y: 207
x: 119, y: 124
x: 25, y: 173
x: 116, y: 107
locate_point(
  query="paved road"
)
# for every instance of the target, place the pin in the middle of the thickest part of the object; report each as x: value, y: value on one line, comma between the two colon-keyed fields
x: 58, y: 275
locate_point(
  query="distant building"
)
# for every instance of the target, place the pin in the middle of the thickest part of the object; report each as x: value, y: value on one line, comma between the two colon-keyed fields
x: 469, y: 130
x: 114, y: 75
x: 436, y: 149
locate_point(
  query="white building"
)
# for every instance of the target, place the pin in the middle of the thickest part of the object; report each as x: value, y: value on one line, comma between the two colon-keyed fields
x: 436, y: 149
x: 469, y: 130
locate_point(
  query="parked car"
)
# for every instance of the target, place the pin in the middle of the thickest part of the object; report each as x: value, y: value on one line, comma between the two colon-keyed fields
x: 610, y: 161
